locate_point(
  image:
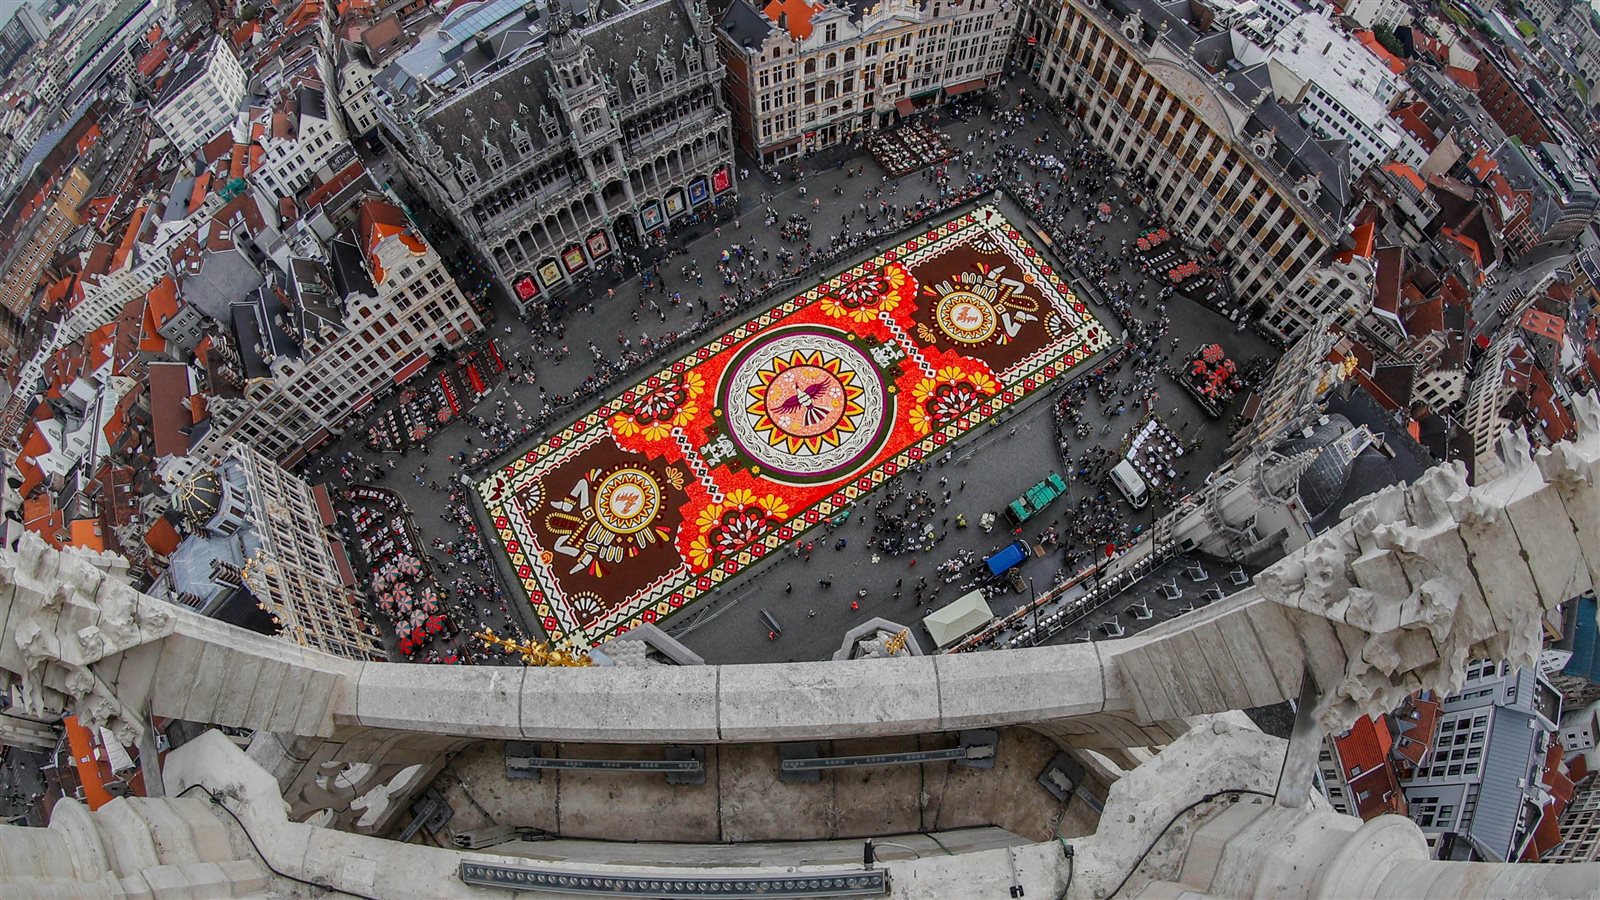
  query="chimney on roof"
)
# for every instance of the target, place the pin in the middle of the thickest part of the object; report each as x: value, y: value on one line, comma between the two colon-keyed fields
x: 783, y: 21
x: 484, y: 44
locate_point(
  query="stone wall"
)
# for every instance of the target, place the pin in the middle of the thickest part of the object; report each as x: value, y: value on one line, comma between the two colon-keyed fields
x: 1395, y: 599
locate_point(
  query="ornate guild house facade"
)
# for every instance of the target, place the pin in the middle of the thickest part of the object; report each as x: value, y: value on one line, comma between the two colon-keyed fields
x: 553, y: 137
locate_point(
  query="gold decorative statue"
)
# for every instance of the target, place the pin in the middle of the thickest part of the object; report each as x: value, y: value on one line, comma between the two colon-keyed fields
x: 533, y: 653
x: 894, y: 645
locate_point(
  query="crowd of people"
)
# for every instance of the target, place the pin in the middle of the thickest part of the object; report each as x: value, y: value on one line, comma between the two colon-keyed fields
x: 669, y: 304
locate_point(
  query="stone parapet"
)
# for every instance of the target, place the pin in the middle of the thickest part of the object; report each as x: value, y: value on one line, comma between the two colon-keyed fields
x: 1394, y: 599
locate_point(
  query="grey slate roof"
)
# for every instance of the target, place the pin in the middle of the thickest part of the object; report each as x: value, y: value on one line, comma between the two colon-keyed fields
x: 349, y: 269
x: 193, y: 67
x: 258, y: 329
x: 310, y: 101
x: 315, y: 299
x: 744, y: 24
x: 460, y: 120
x: 1507, y: 756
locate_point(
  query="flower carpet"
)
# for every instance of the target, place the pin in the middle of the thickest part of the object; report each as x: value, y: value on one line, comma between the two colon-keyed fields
x: 734, y: 450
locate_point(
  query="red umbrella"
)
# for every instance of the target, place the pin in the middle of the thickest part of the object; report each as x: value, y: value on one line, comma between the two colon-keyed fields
x: 1212, y: 353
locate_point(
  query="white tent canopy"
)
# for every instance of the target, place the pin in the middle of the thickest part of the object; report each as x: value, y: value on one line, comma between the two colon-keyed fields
x: 951, y: 623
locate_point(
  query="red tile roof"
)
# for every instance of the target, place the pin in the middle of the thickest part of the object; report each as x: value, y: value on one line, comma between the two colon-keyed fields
x: 88, y: 139
x: 1554, y: 419
x: 1546, y: 834
x: 217, y: 147
x: 1401, y: 170
x: 1467, y: 243
x: 170, y: 387
x: 1365, y: 746
x: 98, y: 345
x: 1415, y: 721
x: 129, y: 237
x: 87, y: 533
x: 1482, y: 164
x: 1464, y: 77
x: 241, y: 36
x: 1425, y: 316
x: 1364, y: 236
x: 162, y: 537
x: 40, y: 516
x: 202, y: 187
x: 1452, y: 291
x: 797, y: 14
x: 1391, y: 263
x: 303, y: 16
x: 378, y: 221
x: 94, y: 774
x: 151, y: 61
x: 1363, y: 754
x: 1410, y: 119
x: 342, y: 179
x: 59, y: 292
x: 1544, y: 324
x: 1370, y: 41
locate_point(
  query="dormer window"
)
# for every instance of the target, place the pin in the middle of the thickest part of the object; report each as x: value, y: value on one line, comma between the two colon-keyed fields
x: 493, y: 156
x: 520, y: 139
x: 466, y: 172
x: 550, y: 127
x: 641, y: 84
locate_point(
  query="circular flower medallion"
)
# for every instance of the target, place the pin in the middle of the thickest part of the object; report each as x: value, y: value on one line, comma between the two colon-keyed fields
x: 627, y: 501
x: 965, y: 317
x: 806, y: 405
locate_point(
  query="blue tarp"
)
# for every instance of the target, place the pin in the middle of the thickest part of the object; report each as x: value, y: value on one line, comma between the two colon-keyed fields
x: 1007, y: 558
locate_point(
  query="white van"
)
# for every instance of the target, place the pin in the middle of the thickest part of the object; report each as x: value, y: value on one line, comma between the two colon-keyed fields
x: 1133, y: 488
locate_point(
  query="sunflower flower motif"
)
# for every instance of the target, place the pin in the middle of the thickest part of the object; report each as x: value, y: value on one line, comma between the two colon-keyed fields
x: 660, y: 409
x: 861, y: 297
x: 739, y: 521
x: 950, y: 394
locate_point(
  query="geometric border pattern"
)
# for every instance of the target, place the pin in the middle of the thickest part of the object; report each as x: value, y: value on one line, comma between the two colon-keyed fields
x: 672, y: 590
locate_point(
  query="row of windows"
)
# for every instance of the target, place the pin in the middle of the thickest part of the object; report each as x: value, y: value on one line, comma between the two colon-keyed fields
x: 1199, y: 170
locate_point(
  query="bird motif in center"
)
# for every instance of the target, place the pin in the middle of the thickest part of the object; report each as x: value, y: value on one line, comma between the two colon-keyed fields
x: 804, y: 401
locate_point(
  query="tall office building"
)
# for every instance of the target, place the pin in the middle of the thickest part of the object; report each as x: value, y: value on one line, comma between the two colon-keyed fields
x: 25, y: 30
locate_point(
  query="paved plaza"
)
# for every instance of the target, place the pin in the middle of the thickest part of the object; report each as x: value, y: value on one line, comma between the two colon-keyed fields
x: 753, y: 440
x: 816, y: 595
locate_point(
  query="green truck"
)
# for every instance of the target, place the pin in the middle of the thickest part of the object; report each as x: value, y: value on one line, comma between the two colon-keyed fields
x: 1036, y: 498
